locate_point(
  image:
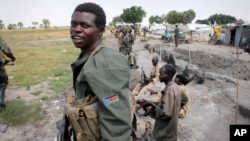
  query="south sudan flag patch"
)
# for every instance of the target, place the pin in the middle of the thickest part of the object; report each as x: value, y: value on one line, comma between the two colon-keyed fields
x: 110, y: 100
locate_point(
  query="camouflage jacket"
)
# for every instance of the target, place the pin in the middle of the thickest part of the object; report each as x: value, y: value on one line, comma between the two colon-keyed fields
x: 5, y: 51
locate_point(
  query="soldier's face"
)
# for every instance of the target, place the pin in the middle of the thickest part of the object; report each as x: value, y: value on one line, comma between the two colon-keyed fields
x: 154, y: 62
x: 163, y: 77
x: 177, y: 81
x: 83, y: 30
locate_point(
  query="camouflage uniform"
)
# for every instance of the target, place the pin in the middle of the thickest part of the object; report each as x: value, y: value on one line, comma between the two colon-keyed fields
x: 120, y: 37
x: 132, y: 61
x: 185, y: 102
x: 131, y: 40
x: 135, y: 31
x: 176, y: 31
x: 4, y: 50
x: 124, y: 44
x: 154, y: 75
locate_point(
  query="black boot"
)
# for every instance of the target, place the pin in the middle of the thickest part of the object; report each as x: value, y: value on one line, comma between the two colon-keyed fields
x: 2, y: 95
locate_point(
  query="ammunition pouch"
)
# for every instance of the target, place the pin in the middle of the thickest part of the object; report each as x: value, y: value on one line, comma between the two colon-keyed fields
x: 86, y: 127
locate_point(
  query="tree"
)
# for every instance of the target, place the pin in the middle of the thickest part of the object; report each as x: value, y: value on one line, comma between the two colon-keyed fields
x: 1, y: 24
x: 10, y: 26
x: 219, y: 19
x: 14, y: 26
x: 164, y: 17
x: 239, y: 22
x: 174, y: 17
x: 34, y: 24
x: 133, y: 15
x: 117, y: 19
x: 20, y: 24
x: 188, y: 16
x: 46, y: 23
x: 202, y: 21
x: 156, y: 19
x: 41, y: 26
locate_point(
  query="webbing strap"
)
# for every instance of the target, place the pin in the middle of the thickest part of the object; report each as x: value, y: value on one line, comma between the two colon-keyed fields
x: 95, y: 51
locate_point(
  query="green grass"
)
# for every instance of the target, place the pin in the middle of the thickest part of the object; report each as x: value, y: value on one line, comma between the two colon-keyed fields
x: 17, y: 113
x: 44, y: 98
x: 41, y: 55
x: 36, y: 92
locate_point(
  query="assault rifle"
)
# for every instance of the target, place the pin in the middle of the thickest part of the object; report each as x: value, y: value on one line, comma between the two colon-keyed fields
x: 7, y: 62
x: 63, y: 133
x: 145, y: 104
x: 144, y: 79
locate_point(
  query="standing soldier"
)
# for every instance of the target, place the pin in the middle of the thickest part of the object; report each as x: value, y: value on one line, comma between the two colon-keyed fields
x: 135, y: 31
x: 125, y: 41
x: 100, y: 110
x: 120, y: 37
x: 138, y: 27
x: 4, y: 50
x: 131, y: 39
x: 176, y: 32
x: 167, y: 111
x: 131, y: 59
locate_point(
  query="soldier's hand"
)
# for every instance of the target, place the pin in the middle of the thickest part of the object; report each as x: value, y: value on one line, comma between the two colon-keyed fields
x: 13, y: 59
x: 81, y: 113
x: 6, y: 61
x: 147, y: 79
x: 152, y: 76
x: 152, y: 91
x: 140, y: 101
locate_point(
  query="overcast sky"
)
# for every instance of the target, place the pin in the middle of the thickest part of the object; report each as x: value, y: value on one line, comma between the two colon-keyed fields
x: 59, y: 11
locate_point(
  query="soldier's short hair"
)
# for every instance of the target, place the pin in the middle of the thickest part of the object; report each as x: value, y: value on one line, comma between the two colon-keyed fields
x: 182, y: 79
x: 169, y: 69
x: 100, y: 20
x: 155, y: 58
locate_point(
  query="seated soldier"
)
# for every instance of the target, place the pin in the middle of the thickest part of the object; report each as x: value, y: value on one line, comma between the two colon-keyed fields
x: 154, y: 77
x: 182, y: 81
x: 131, y: 59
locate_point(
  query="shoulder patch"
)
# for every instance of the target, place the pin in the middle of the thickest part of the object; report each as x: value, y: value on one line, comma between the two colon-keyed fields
x: 110, y: 100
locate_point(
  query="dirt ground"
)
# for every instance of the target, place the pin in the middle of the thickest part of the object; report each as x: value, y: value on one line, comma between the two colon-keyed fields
x: 213, y: 103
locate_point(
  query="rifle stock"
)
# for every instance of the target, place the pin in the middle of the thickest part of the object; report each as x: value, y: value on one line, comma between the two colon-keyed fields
x: 150, y: 111
x: 143, y: 77
x: 62, y: 126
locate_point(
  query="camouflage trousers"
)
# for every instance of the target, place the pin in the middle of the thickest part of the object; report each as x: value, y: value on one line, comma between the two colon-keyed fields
x: 3, y: 75
x: 123, y: 50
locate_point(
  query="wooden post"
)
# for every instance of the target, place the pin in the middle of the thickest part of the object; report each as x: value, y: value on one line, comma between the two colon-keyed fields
x: 160, y: 50
x: 189, y: 55
x: 237, y: 85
